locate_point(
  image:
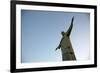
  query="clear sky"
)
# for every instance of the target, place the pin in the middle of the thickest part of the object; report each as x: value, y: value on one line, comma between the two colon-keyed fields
x: 41, y: 34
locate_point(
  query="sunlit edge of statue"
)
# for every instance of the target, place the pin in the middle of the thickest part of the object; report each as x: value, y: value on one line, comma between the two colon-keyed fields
x: 66, y: 46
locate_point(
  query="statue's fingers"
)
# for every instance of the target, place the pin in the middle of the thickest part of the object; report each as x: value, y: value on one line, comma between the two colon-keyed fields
x: 55, y: 49
x: 73, y: 19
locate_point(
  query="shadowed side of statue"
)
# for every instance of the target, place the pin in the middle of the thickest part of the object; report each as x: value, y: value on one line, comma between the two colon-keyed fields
x: 65, y: 44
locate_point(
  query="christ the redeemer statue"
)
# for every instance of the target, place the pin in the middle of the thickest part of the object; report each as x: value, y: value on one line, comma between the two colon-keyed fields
x: 66, y: 46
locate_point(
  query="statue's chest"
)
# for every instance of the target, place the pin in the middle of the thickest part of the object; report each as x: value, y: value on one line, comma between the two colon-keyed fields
x: 65, y: 43
x: 66, y: 40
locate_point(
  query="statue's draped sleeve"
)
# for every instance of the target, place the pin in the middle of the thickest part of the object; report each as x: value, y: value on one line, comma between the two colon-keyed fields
x: 70, y: 28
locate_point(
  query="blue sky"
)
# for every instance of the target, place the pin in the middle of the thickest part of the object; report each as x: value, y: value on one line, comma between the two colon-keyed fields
x: 41, y: 34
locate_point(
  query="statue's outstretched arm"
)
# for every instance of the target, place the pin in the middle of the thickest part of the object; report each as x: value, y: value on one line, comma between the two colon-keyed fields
x: 59, y: 46
x: 70, y: 28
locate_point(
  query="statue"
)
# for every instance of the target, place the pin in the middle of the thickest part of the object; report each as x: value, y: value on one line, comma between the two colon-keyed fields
x: 66, y: 46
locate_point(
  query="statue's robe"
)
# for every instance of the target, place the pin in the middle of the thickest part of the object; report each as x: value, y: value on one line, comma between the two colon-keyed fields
x: 67, y: 49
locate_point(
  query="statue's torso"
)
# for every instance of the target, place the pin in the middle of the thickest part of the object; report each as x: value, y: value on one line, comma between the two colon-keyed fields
x: 66, y: 45
x: 66, y: 48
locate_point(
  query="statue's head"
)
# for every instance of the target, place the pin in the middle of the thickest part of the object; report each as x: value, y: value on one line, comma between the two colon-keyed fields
x: 62, y: 33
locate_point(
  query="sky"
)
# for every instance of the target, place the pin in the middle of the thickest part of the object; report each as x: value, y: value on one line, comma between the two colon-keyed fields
x: 41, y: 34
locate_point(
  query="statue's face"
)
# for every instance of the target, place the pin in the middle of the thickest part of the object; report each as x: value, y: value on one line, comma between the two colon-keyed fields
x: 62, y: 33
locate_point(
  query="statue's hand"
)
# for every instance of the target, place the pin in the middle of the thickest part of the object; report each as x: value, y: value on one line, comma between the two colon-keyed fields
x: 72, y: 19
x: 56, y: 49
